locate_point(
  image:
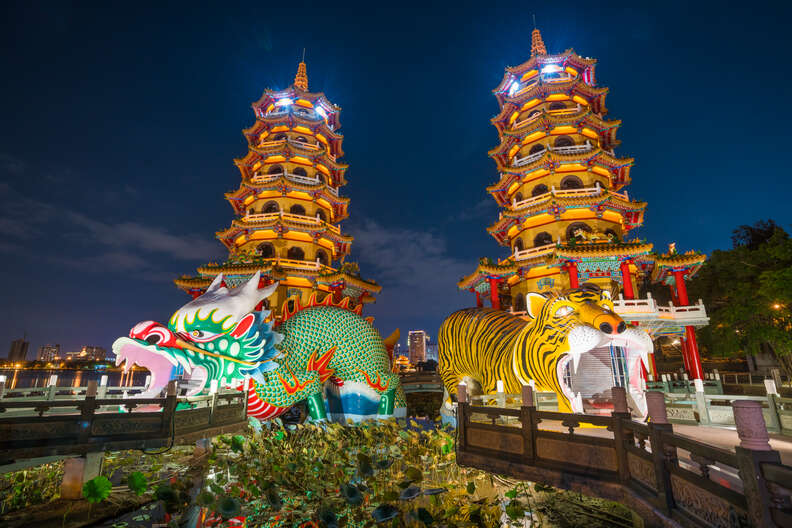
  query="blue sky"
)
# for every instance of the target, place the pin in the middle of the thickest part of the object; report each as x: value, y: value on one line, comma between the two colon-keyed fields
x: 121, y: 123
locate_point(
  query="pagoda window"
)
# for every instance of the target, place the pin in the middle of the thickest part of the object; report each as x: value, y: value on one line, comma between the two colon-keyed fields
x: 518, y: 244
x: 533, y: 114
x: 295, y: 253
x: 536, y: 148
x: 280, y: 137
x: 570, y: 232
x: 557, y: 105
x: 299, y: 171
x: 539, y: 190
x: 612, y: 234
x: 321, y: 256
x: 251, y: 211
x: 564, y: 141
x: 302, y: 139
x: 542, y: 239
x: 297, y: 209
x: 266, y: 250
x: 270, y: 207
x: 571, y: 182
x: 518, y: 197
x: 321, y: 215
x: 275, y: 169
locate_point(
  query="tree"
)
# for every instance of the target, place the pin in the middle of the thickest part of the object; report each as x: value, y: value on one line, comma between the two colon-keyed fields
x: 748, y: 294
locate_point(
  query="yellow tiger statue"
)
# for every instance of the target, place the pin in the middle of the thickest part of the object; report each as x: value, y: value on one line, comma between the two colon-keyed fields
x: 481, y: 346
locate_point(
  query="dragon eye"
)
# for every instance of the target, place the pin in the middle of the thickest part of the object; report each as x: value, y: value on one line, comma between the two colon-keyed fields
x: 153, y: 339
x: 563, y: 311
x: 197, y: 333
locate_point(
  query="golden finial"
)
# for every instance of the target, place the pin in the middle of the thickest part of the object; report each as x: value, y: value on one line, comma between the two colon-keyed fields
x: 301, y: 79
x: 537, y: 44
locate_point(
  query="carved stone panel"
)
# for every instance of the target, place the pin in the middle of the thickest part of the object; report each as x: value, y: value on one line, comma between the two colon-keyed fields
x: 590, y: 456
x: 41, y: 430
x: 498, y: 441
x: 192, y: 418
x: 642, y: 471
x: 707, y: 506
x: 228, y: 414
x: 124, y: 425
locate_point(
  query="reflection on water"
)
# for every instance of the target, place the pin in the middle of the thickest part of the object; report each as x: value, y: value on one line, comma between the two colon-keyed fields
x: 22, y: 379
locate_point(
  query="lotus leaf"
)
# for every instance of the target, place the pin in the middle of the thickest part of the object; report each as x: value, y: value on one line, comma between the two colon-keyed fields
x: 97, y: 489
x: 136, y: 482
x: 228, y: 507
x: 410, y: 493
x: 384, y: 512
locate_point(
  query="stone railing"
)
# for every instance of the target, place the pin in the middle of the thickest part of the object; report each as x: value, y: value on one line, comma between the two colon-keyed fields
x: 534, y: 251
x: 666, y: 478
x: 291, y: 217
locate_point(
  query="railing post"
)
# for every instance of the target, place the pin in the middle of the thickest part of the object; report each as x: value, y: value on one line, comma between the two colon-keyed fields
x: 701, y: 402
x: 51, y: 387
x: 2, y: 386
x: 528, y: 423
x: 753, y: 451
x: 87, y: 410
x: 662, y: 456
x: 170, y: 407
x: 772, y: 405
x: 621, y: 437
x: 462, y: 416
x: 501, y: 394
x: 102, y: 390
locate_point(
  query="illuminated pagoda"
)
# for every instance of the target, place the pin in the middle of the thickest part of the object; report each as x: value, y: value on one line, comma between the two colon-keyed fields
x: 565, y: 214
x: 288, y: 205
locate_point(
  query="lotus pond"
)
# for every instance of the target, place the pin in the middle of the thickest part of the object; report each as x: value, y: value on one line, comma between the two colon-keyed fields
x: 375, y: 474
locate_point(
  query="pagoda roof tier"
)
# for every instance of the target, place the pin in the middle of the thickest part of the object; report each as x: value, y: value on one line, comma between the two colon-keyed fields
x: 553, y: 255
x: 487, y: 269
x: 282, y: 223
x: 583, y: 121
x: 664, y: 265
x: 239, y: 268
x: 535, y: 166
x: 284, y: 186
x: 572, y: 90
x: 262, y: 158
x: 555, y: 208
x: 315, y: 103
x: 253, y: 134
x: 539, y: 61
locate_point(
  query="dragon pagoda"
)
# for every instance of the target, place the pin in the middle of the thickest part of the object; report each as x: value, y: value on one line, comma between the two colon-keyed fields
x: 565, y: 214
x: 288, y: 206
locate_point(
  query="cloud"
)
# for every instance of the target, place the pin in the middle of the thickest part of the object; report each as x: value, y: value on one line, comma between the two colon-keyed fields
x: 485, y: 208
x: 415, y: 269
x: 12, y: 165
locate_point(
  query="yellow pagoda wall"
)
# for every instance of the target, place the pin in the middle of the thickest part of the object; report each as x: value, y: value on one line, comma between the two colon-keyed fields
x: 557, y: 228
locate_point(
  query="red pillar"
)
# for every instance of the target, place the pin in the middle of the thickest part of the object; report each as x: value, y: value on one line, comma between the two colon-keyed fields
x: 479, y: 302
x: 694, y: 359
x: 684, y: 348
x: 696, y: 372
x: 627, y: 285
x: 494, y: 297
x: 653, y: 364
x: 572, y: 270
x: 263, y: 282
x: 195, y: 293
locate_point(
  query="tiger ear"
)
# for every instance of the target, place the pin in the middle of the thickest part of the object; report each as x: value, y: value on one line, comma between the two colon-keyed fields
x: 534, y: 302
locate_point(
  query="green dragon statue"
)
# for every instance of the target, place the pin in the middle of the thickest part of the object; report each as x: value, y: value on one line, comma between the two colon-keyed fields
x: 322, y: 354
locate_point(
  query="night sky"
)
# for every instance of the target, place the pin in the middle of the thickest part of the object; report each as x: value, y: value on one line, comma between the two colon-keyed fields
x: 120, y: 125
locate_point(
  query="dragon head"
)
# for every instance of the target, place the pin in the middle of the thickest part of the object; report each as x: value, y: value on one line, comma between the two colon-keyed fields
x: 217, y: 335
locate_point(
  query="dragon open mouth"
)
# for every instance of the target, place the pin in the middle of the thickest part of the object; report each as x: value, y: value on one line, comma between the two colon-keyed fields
x: 160, y: 364
x: 597, y: 361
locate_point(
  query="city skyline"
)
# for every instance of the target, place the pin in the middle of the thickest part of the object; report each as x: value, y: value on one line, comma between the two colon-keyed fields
x: 129, y: 197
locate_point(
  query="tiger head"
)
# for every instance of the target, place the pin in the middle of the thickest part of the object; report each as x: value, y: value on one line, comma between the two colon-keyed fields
x: 579, y: 347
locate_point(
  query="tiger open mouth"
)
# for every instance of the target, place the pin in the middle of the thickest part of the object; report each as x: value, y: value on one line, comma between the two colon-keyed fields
x: 597, y: 361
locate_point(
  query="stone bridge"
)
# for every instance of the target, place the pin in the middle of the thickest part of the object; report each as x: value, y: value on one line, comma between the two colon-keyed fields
x: 666, y: 478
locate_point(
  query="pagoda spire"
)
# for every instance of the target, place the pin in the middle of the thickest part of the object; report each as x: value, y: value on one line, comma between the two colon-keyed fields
x: 537, y: 44
x: 301, y: 79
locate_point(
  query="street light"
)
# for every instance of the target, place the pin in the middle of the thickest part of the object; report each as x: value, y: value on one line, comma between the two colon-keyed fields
x: 776, y: 306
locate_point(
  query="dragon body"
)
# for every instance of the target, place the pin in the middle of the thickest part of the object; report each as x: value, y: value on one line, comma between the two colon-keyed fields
x: 323, y: 354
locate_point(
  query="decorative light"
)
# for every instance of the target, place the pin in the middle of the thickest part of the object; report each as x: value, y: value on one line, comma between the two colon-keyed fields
x: 551, y: 68
x: 284, y: 102
x: 321, y: 111
x: 776, y: 306
x: 513, y: 88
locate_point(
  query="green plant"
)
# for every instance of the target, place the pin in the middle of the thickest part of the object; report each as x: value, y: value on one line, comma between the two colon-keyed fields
x: 97, y: 489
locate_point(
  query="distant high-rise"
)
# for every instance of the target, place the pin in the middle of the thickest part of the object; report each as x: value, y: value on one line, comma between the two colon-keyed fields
x: 417, y: 341
x: 18, y: 351
x: 87, y: 353
x: 48, y: 352
x: 431, y: 351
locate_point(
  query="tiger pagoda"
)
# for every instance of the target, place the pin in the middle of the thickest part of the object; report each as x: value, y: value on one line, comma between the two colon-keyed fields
x: 565, y: 213
x: 288, y: 206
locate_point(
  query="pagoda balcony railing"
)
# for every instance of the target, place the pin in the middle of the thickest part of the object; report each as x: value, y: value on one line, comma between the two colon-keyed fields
x: 530, y: 158
x: 567, y: 193
x: 659, y: 319
x: 527, y: 120
x: 303, y: 144
x: 272, y: 144
x: 300, y: 264
x: 291, y: 217
x: 561, y: 78
x: 573, y: 149
x: 534, y: 252
x: 298, y: 178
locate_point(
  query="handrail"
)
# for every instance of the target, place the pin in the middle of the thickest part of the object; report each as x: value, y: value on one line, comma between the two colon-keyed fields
x: 296, y: 218
x: 534, y: 251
